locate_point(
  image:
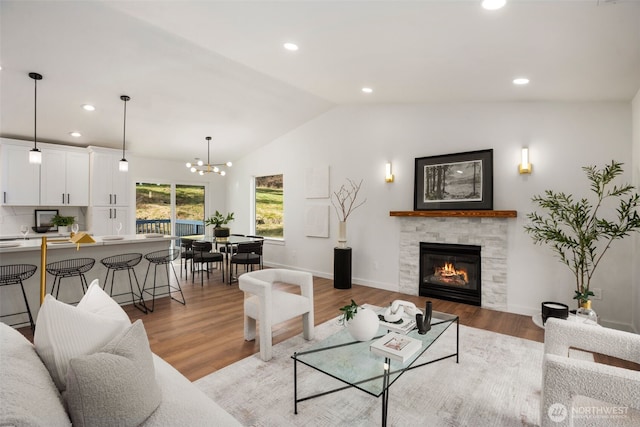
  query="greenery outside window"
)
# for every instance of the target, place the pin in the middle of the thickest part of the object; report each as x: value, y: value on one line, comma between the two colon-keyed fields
x: 269, y: 206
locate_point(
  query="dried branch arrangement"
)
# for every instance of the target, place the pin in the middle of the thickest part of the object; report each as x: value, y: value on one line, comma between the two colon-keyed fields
x: 345, y: 199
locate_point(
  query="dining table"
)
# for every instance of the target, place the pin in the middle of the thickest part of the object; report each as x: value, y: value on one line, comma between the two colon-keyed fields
x: 229, y: 242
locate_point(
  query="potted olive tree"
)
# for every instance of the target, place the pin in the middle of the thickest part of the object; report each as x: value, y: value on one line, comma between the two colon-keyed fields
x: 218, y: 220
x: 580, y: 231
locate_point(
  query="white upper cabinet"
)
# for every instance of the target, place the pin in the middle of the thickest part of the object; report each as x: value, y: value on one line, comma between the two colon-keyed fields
x: 64, y: 177
x: 109, y: 186
x: 20, y: 180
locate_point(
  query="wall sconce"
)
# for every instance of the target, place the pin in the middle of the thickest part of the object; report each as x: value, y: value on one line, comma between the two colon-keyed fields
x: 525, y: 166
x: 388, y: 176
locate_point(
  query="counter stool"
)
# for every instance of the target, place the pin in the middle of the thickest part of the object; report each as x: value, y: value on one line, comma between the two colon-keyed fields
x: 14, y: 274
x: 121, y: 263
x: 70, y: 268
x: 158, y: 258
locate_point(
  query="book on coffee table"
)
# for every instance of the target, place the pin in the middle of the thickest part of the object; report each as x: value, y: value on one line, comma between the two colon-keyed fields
x: 405, y: 325
x: 396, y: 346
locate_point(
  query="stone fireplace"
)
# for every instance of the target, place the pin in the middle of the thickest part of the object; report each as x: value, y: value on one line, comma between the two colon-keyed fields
x: 485, y: 229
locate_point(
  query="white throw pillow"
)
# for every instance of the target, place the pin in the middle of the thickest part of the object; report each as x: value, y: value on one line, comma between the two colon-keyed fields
x: 64, y: 331
x: 116, y: 386
x: 97, y: 301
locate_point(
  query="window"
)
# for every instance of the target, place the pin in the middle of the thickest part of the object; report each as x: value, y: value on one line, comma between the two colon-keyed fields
x: 169, y: 209
x: 269, y: 206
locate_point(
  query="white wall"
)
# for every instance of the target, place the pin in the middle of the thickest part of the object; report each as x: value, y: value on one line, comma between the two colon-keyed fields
x: 356, y: 141
x: 636, y: 238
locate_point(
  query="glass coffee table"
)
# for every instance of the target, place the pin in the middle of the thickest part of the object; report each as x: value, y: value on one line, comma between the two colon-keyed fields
x: 351, y: 362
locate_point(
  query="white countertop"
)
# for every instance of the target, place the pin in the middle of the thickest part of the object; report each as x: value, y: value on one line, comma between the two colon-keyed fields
x: 59, y: 241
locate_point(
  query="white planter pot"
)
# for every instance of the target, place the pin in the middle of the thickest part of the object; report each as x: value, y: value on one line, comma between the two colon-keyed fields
x: 63, y: 229
x: 364, y: 324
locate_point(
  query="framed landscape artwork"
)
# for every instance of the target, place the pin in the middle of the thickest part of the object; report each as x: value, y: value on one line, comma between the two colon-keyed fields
x: 454, y: 181
x: 44, y: 217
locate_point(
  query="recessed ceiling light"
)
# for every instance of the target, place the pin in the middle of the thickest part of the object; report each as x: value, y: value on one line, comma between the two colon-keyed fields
x: 367, y: 90
x: 521, y: 81
x: 89, y: 107
x: 75, y: 134
x: 291, y: 46
x: 493, y: 4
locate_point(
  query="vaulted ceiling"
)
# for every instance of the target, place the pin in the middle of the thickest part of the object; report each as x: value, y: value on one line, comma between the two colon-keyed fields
x: 218, y: 68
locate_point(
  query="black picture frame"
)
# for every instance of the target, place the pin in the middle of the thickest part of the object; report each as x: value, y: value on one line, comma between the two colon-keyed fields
x: 458, y: 181
x: 44, y: 217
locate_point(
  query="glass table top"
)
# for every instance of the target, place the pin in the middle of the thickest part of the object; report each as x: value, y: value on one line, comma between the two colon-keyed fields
x: 352, y: 362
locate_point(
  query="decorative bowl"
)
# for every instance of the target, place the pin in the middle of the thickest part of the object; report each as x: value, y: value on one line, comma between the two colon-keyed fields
x: 554, y: 309
x: 41, y: 228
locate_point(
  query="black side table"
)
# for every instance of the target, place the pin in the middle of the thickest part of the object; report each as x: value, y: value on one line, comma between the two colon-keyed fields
x: 342, y: 268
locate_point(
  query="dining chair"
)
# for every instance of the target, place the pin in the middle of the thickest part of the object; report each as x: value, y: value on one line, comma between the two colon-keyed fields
x: 261, y: 239
x: 230, y: 248
x: 202, y: 255
x: 248, y: 254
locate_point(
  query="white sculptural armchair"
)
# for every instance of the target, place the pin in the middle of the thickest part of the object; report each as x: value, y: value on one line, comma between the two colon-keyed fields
x: 271, y: 306
x: 565, y: 378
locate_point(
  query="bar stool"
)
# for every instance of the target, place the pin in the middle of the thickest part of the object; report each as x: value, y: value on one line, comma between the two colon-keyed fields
x: 121, y: 263
x: 158, y: 258
x: 70, y: 268
x: 14, y: 274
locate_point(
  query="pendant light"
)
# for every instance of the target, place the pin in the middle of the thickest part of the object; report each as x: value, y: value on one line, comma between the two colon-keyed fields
x: 123, y: 166
x: 35, y: 155
x: 201, y: 168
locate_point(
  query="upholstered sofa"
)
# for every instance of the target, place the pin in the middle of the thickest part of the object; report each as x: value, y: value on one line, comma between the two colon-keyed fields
x: 89, y: 366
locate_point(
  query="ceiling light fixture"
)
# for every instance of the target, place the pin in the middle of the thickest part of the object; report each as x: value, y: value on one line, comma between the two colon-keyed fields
x: 89, y: 107
x: 493, y: 4
x: 367, y: 90
x: 123, y: 166
x: 75, y: 134
x: 520, y: 81
x: 291, y: 46
x: 35, y: 155
x: 203, y: 168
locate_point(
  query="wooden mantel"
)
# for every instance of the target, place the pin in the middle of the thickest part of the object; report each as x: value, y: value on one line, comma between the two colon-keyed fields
x: 458, y: 214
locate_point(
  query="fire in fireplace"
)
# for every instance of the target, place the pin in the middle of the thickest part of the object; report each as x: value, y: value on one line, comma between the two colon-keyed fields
x: 450, y: 272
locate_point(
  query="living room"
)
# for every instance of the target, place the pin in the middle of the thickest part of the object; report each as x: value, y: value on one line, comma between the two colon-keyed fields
x: 355, y: 139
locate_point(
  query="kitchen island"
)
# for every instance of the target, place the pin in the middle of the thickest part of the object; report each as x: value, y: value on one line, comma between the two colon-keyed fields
x: 60, y: 248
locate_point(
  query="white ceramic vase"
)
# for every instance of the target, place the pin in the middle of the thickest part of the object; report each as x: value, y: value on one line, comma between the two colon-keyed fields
x: 342, y: 234
x: 364, y: 324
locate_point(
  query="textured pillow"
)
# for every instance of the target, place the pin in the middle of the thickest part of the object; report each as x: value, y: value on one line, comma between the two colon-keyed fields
x: 116, y: 386
x: 64, y: 331
x: 28, y: 396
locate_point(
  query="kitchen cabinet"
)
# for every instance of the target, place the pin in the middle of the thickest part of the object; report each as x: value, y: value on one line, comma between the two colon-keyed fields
x: 64, y: 177
x: 20, y: 180
x: 103, y: 221
x: 109, y: 186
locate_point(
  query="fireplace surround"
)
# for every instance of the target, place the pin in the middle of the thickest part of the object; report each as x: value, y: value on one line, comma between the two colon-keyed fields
x: 487, y: 229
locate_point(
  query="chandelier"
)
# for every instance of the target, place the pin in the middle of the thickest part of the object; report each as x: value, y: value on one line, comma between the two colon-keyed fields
x: 202, y: 167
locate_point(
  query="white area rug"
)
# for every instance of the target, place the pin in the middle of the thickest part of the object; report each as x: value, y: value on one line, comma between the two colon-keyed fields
x: 496, y: 383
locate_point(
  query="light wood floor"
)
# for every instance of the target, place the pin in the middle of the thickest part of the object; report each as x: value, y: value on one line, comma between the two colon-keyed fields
x: 207, y: 333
